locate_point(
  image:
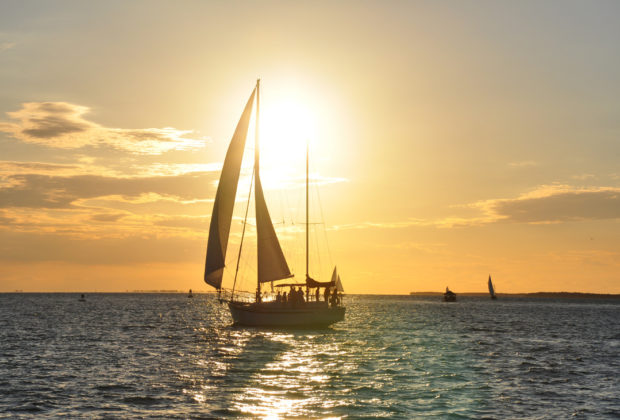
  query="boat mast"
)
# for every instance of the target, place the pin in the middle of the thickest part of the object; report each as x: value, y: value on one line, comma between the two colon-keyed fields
x: 307, y: 216
x: 256, y: 161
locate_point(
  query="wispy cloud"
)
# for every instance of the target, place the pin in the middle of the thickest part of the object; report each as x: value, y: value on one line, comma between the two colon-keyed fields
x: 45, y: 191
x: 383, y: 225
x: 62, y: 125
x: 443, y: 223
x: 107, y: 217
x: 583, y: 177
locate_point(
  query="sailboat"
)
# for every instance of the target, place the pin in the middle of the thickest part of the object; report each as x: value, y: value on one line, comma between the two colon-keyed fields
x: 281, y: 311
x: 449, y: 296
x: 491, y: 289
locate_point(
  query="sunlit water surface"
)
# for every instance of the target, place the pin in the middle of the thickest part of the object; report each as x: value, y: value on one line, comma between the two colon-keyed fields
x: 167, y: 356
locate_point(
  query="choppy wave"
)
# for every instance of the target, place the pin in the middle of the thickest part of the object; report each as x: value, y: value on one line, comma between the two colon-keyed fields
x: 166, y: 356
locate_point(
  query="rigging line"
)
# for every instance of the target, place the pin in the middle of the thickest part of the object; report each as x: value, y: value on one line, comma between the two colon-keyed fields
x: 257, y: 170
x: 307, y: 209
x: 329, y: 252
x: 319, y: 259
x: 247, y: 207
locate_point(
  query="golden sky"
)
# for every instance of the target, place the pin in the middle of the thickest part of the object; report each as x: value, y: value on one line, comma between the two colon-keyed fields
x: 451, y: 139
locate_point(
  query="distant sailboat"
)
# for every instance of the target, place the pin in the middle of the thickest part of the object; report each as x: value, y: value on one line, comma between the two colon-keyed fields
x: 271, y: 263
x: 449, y: 296
x: 190, y: 294
x: 491, y: 289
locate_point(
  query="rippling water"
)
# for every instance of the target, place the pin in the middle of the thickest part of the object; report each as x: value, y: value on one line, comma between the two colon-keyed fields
x: 166, y: 356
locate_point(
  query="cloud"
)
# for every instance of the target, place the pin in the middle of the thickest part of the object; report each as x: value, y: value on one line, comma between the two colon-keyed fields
x: 194, y: 222
x: 583, y: 177
x: 62, y: 125
x: 45, y: 191
x: 546, y: 204
x: 133, y: 249
x: 555, y: 204
x: 107, y: 217
x: 86, y: 166
x: 12, y: 167
x: 383, y: 225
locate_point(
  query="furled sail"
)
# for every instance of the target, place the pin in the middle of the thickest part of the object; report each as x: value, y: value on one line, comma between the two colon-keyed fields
x: 271, y: 262
x: 221, y: 217
x: 310, y: 282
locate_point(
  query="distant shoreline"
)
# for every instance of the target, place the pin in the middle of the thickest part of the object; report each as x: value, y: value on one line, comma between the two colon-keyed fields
x: 560, y: 295
x: 548, y: 295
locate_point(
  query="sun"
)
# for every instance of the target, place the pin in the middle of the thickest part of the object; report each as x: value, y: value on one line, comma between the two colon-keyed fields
x: 286, y: 127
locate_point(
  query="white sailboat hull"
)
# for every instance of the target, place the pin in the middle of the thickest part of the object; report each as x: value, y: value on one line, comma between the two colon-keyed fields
x: 272, y: 314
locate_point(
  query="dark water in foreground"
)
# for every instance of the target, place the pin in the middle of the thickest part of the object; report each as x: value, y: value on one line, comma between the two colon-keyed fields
x: 166, y: 356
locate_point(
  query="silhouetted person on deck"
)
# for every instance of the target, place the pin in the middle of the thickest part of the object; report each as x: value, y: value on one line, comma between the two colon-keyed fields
x: 300, y: 294
x: 278, y: 297
x: 284, y: 298
x: 326, y: 294
x: 316, y: 294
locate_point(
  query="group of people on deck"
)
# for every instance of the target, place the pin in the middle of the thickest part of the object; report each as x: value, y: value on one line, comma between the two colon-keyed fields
x: 296, y: 297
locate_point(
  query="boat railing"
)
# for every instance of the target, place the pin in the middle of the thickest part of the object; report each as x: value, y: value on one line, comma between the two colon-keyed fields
x: 227, y: 295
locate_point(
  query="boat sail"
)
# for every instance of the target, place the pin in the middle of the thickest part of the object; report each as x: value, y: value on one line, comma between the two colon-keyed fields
x: 271, y: 262
x: 223, y: 206
x: 491, y: 289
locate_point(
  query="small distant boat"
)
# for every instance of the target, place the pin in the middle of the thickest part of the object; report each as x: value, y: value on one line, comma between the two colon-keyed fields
x: 190, y: 295
x: 491, y: 289
x: 82, y: 298
x: 449, y: 296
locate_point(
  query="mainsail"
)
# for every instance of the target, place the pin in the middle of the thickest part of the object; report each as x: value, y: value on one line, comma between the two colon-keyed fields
x: 221, y: 217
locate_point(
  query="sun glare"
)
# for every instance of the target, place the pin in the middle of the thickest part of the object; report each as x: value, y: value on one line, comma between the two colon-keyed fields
x: 285, y: 128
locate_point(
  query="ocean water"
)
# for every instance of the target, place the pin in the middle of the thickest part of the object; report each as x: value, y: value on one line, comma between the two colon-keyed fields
x: 167, y: 356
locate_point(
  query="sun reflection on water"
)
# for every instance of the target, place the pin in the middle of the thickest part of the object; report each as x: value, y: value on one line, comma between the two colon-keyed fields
x: 290, y: 384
